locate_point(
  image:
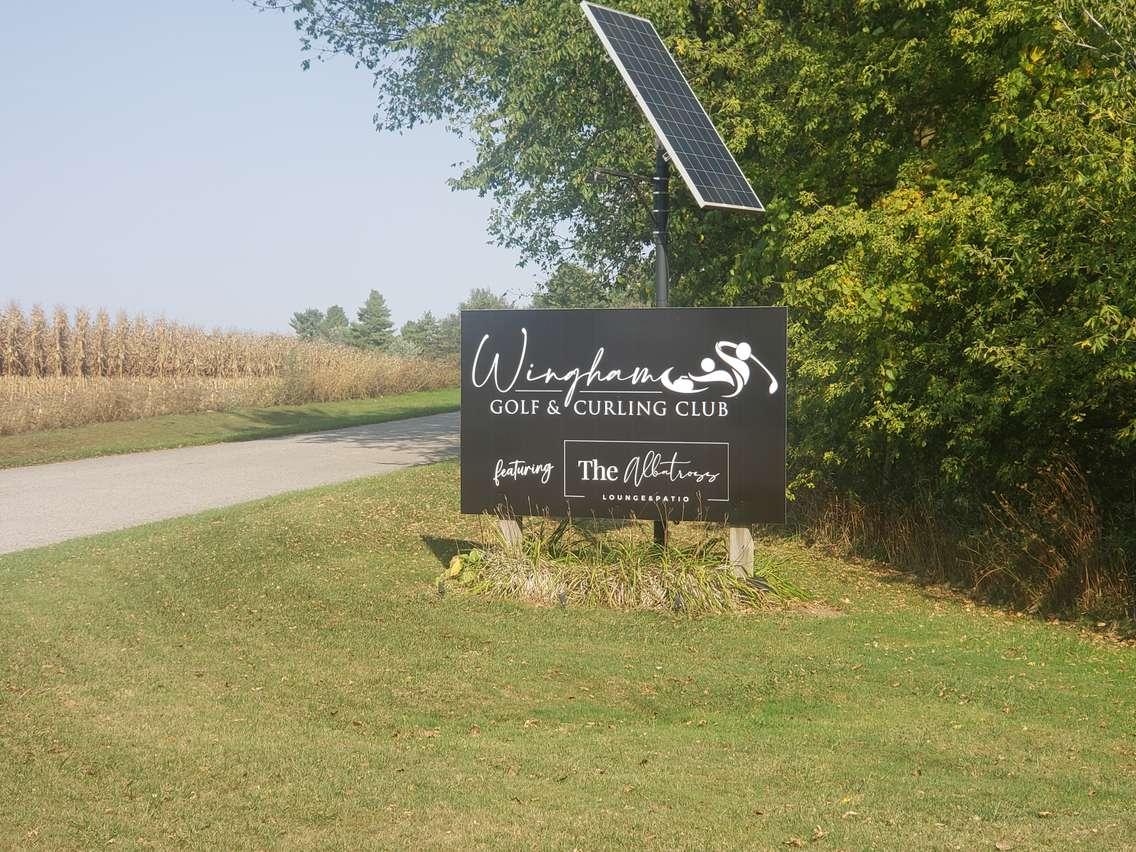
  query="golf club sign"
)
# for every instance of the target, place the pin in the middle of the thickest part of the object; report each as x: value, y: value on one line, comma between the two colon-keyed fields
x: 675, y: 414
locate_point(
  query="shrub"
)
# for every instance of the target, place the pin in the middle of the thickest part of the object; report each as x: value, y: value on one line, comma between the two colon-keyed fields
x: 1043, y: 549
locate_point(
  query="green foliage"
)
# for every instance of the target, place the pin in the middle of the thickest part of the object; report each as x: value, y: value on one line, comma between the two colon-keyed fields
x: 374, y: 328
x: 335, y: 317
x: 307, y: 323
x: 572, y: 286
x: 949, y: 188
x: 972, y: 317
x: 335, y: 326
x: 427, y: 335
x: 441, y: 338
x: 314, y: 324
x: 480, y: 299
x: 449, y: 335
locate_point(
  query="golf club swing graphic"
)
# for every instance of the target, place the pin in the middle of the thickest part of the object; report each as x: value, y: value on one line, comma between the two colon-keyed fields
x: 736, y: 356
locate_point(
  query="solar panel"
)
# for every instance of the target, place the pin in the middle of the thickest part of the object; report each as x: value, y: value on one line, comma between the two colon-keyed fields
x: 696, y: 149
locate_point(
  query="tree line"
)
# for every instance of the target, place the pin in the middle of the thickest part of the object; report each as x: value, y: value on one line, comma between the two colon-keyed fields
x: 569, y: 286
x: 373, y: 327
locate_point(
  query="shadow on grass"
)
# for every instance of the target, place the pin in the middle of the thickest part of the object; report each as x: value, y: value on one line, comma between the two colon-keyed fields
x: 947, y: 589
x: 445, y: 549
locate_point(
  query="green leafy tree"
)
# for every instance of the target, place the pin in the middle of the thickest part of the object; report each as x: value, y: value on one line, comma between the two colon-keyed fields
x: 573, y: 286
x: 373, y: 328
x: 307, y: 324
x: 949, y: 193
x: 481, y: 299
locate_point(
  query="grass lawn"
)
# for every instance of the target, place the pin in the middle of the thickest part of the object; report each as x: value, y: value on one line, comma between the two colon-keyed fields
x: 214, y: 427
x: 285, y: 674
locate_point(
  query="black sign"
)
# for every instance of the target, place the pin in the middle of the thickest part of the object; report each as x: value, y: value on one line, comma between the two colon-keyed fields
x: 625, y: 413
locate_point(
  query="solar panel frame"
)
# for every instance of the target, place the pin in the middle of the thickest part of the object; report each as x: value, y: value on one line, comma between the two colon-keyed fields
x: 648, y: 111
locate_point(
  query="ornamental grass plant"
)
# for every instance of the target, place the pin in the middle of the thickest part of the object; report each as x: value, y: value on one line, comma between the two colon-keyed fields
x: 617, y: 565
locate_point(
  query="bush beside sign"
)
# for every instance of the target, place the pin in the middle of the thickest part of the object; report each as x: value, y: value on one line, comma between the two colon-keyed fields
x: 675, y: 412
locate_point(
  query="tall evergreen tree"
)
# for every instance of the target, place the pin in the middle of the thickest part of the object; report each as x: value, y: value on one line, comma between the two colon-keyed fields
x: 449, y: 336
x: 335, y: 326
x: 307, y: 323
x: 421, y: 335
x: 374, y: 328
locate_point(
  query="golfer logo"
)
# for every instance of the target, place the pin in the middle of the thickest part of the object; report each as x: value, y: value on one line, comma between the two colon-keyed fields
x: 736, y: 357
x: 734, y: 375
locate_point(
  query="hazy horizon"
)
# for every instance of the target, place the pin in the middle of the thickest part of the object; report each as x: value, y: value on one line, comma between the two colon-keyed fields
x: 177, y: 162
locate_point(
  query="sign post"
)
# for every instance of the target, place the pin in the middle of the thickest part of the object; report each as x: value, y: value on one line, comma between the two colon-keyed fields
x: 660, y: 213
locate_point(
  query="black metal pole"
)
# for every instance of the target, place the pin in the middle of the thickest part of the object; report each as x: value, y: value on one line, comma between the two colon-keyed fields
x: 660, y: 212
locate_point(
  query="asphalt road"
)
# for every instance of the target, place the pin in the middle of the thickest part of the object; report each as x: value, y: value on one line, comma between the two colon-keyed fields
x: 49, y: 503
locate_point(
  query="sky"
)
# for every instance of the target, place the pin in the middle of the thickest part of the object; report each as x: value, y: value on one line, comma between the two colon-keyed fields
x: 171, y: 158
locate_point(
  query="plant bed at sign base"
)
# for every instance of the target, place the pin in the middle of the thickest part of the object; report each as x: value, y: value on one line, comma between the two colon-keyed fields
x: 619, y: 566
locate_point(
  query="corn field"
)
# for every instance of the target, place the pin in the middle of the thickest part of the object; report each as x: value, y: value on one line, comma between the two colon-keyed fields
x: 34, y: 346
x: 77, y: 368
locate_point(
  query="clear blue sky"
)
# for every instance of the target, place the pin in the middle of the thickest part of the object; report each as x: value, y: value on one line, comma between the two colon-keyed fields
x: 172, y: 158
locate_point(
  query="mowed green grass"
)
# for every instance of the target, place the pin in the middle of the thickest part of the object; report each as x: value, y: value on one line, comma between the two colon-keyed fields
x: 214, y: 427
x: 284, y: 674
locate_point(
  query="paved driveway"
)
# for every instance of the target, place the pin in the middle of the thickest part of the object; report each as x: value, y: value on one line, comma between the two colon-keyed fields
x: 45, y: 504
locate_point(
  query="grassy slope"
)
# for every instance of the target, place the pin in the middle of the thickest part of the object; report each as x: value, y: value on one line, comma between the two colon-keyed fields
x: 212, y: 427
x: 284, y: 673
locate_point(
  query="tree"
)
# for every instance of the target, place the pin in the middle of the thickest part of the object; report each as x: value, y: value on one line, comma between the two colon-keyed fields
x: 441, y: 338
x: 335, y: 326
x: 573, y: 286
x: 307, y: 324
x: 949, y: 193
x: 433, y: 338
x: 449, y: 336
x: 373, y: 328
x: 421, y: 335
x: 481, y: 299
